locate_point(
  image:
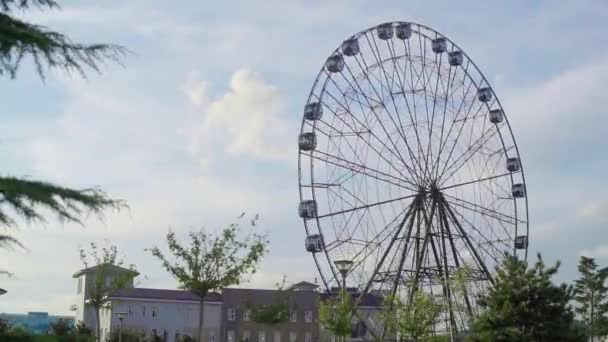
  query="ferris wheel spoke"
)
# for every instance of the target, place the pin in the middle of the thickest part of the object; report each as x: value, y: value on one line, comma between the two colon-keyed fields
x: 466, y: 237
x: 361, y: 169
x: 369, y: 144
x: 482, y: 210
x: 460, y: 131
x: 377, y: 241
x: 383, y: 105
x: 445, y: 106
x: 478, y: 180
x: 487, y: 241
x: 472, y: 150
x: 366, y: 206
x: 442, y: 144
x: 387, y: 251
x: 399, y: 126
x: 407, y: 104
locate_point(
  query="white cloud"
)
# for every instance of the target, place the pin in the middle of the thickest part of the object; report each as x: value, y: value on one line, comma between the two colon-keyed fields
x: 570, y: 104
x: 247, y: 119
x: 596, y: 210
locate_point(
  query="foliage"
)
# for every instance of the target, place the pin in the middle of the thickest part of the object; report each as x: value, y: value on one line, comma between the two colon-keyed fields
x: 61, y: 327
x: 276, y: 312
x: 212, y: 262
x: 5, y: 326
x: 23, y: 198
x: 524, y: 305
x: 415, y: 320
x: 591, y: 295
x: 47, y: 48
x: 186, y: 338
x: 106, y: 261
x: 335, y: 314
x: 127, y: 336
x: 82, y: 329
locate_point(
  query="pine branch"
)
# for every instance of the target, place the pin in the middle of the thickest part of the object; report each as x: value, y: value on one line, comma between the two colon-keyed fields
x: 25, y: 198
x: 9, y: 5
x: 49, y: 49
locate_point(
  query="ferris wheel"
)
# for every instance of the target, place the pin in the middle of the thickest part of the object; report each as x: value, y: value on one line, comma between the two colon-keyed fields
x: 408, y: 168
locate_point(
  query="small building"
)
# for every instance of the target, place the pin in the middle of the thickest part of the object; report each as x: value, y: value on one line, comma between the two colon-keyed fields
x: 168, y: 314
x: 34, y: 322
x: 239, y: 323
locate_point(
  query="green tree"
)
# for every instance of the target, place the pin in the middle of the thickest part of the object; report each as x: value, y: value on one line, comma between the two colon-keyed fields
x: 110, y: 275
x: 20, y: 41
x: 591, y: 295
x: 61, y: 327
x: 276, y: 312
x: 525, y: 305
x: 414, y: 321
x: 335, y: 315
x: 82, y: 329
x: 212, y: 262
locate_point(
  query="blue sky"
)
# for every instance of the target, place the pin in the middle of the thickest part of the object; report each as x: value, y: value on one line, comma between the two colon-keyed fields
x: 201, y: 122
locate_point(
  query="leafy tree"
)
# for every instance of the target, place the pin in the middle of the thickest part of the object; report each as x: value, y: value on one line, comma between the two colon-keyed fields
x: 82, y: 329
x: 110, y: 275
x: 591, y: 295
x: 19, y: 40
x: 414, y: 321
x: 5, y: 327
x: 61, y: 327
x: 335, y: 315
x: 277, y: 311
x: 212, y: 262
x: 524, y: 305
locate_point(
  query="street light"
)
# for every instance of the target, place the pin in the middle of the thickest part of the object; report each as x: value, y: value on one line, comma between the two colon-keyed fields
x: 121, y: 316
x: 344, y: 266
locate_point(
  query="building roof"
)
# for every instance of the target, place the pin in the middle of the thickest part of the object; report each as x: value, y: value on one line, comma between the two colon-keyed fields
x: 304, y: 284
x: 173, y: 295
x: 109, y: 266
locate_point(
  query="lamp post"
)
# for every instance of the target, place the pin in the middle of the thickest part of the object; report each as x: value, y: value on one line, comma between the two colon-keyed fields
x: 344, y: 266
x: 121, y: 317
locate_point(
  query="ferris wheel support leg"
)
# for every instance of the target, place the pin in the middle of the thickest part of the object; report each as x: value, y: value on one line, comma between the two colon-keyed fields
x: 455, y: 254
x: 467, y: 239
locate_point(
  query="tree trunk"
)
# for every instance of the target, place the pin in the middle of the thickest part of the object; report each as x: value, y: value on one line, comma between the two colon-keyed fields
x: 201, y: 319
x: 97, y: 327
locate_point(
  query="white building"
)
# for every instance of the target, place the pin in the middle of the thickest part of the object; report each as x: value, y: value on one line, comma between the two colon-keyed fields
x: 168, y: 314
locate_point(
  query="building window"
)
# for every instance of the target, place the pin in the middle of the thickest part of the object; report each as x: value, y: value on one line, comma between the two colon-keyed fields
x: 130, y: 311
x: 277, y: 336
x: 293, y: 316
x: 246, y: 336
x: 230, y: 336
x: 143, y: 310
x: 262, y: 336
x: 308, y: 316
x: 308, y: 337
x: 212, y: 337
x: 247, y: 315
x: 177, y: 336
x: 231, y: 314
x: 79, y: 285
x: 293, y: 336
x: 154, y: 311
